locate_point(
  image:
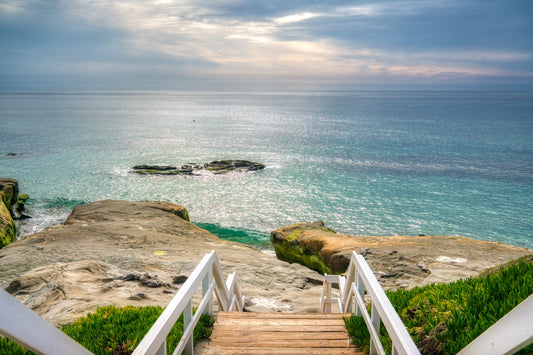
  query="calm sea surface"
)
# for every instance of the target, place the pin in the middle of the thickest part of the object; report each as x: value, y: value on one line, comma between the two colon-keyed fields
x: 367, y: 163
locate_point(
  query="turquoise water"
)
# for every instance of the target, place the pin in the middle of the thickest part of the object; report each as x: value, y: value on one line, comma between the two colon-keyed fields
x: 367, y: 163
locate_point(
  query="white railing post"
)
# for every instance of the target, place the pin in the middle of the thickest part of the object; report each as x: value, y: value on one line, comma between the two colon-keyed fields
x: 206, y: 283
x: 209, y: 274
x: 351, y: 274
x: 220, y: 291
x: 359, y: 277
x: 359, y: 288
x: 25, y: 327
x: 376, y: 322
x: 327, y: 296
x: 187, y: 318
x: 162, y: 349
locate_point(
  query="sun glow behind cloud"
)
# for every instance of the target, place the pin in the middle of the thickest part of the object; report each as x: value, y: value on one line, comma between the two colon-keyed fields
x: 194, y: 40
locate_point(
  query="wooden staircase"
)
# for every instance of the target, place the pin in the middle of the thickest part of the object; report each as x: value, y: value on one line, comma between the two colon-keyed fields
x: 278, y: 333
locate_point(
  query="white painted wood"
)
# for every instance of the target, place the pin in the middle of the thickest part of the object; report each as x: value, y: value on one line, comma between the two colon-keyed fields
x: 221, y: 284
x: 350, y: 278
x: 238, y: 294
x: 206, y: 283
x: 508, y: 335
x: 27, y: 328
x: 327, y: 298
x: 222, y: 302
x: 162, y: 349
x: 398, y: 333
x: 188, y: 331
x: 375, y: 321
x: 162, y: 326
x: 182, y: 303
x: 359, y: 277
x: 187, y: 318
x: 374, y: 336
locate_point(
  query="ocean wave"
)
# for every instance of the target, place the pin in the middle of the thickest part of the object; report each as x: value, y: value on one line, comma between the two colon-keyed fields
x: 45, y: 213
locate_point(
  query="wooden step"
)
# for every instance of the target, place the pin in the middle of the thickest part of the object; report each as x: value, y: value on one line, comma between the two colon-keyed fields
x: 279, y: 333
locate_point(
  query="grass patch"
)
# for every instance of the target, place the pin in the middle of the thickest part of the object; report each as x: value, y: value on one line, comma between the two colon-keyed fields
x: 111, y: 330
x: 444, y: 318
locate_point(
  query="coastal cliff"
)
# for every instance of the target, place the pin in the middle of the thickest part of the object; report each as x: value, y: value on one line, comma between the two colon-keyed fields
x: 139, y: 253
x: 11, y: 204
x: 397, y: 261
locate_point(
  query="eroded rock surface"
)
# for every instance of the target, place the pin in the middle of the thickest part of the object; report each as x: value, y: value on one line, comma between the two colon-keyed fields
x: 139, y: 253
x: 397, y: 261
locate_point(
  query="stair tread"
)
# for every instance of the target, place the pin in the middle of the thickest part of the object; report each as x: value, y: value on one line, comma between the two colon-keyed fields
x: 279, y: 333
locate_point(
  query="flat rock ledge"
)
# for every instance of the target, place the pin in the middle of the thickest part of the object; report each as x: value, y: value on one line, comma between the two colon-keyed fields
x: 216, y: 167
x: 397, y: 261
x: 139, y: 253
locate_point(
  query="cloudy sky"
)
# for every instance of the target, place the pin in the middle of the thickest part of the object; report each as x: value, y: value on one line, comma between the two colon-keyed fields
x: 274, y: 44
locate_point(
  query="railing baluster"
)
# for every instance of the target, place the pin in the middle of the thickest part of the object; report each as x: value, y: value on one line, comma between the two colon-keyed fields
x: 209, y: 274
x: 206, y: 283
x: 187, y: 317
x: 360, y: 278
x: 360, y: 288
x: 49, y: 340
x: 162, y: 349
x: 376, y: 323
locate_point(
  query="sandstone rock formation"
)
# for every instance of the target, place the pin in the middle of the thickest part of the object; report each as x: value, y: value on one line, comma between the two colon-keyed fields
x: 139, y: 253
x: 217, y: 167
x: 11, y: 206
x: 397, y: 261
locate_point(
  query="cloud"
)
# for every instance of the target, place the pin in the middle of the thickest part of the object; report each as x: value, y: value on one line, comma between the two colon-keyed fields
x: 295, y: 18
x: 280, y: 40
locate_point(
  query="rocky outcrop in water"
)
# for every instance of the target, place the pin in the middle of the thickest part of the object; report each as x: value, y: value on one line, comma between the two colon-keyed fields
x: 217, y: 167
x: 139, y: 253
x: 11, y: 207
x: 397, y: 261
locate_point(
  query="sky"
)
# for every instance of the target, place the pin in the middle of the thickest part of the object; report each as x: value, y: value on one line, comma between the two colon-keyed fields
x: 266, y: 45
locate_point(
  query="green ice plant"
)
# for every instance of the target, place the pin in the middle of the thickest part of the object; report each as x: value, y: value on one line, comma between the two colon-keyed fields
x: 444, y: 318
x: 112, y: 330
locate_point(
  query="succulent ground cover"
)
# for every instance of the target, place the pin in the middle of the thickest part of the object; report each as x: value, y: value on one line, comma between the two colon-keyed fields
x: 111, y: 330
x: 444, y: 318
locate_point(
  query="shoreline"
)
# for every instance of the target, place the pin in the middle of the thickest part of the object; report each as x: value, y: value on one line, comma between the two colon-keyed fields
x: 68, y: 270
x: 226, y: 231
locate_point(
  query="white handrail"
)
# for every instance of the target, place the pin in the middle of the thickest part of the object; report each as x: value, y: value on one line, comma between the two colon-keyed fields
x: 27, y: 328
x: 360, y: 278
x: 511, y: 333
x: 209, y: 274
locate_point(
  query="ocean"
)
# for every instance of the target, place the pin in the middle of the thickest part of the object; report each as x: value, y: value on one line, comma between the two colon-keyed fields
x: 364, y: 162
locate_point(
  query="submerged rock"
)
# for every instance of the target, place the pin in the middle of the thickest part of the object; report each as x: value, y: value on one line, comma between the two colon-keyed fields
x: 217, y: 167
x: 397, y: 261
x: 225, y: 166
